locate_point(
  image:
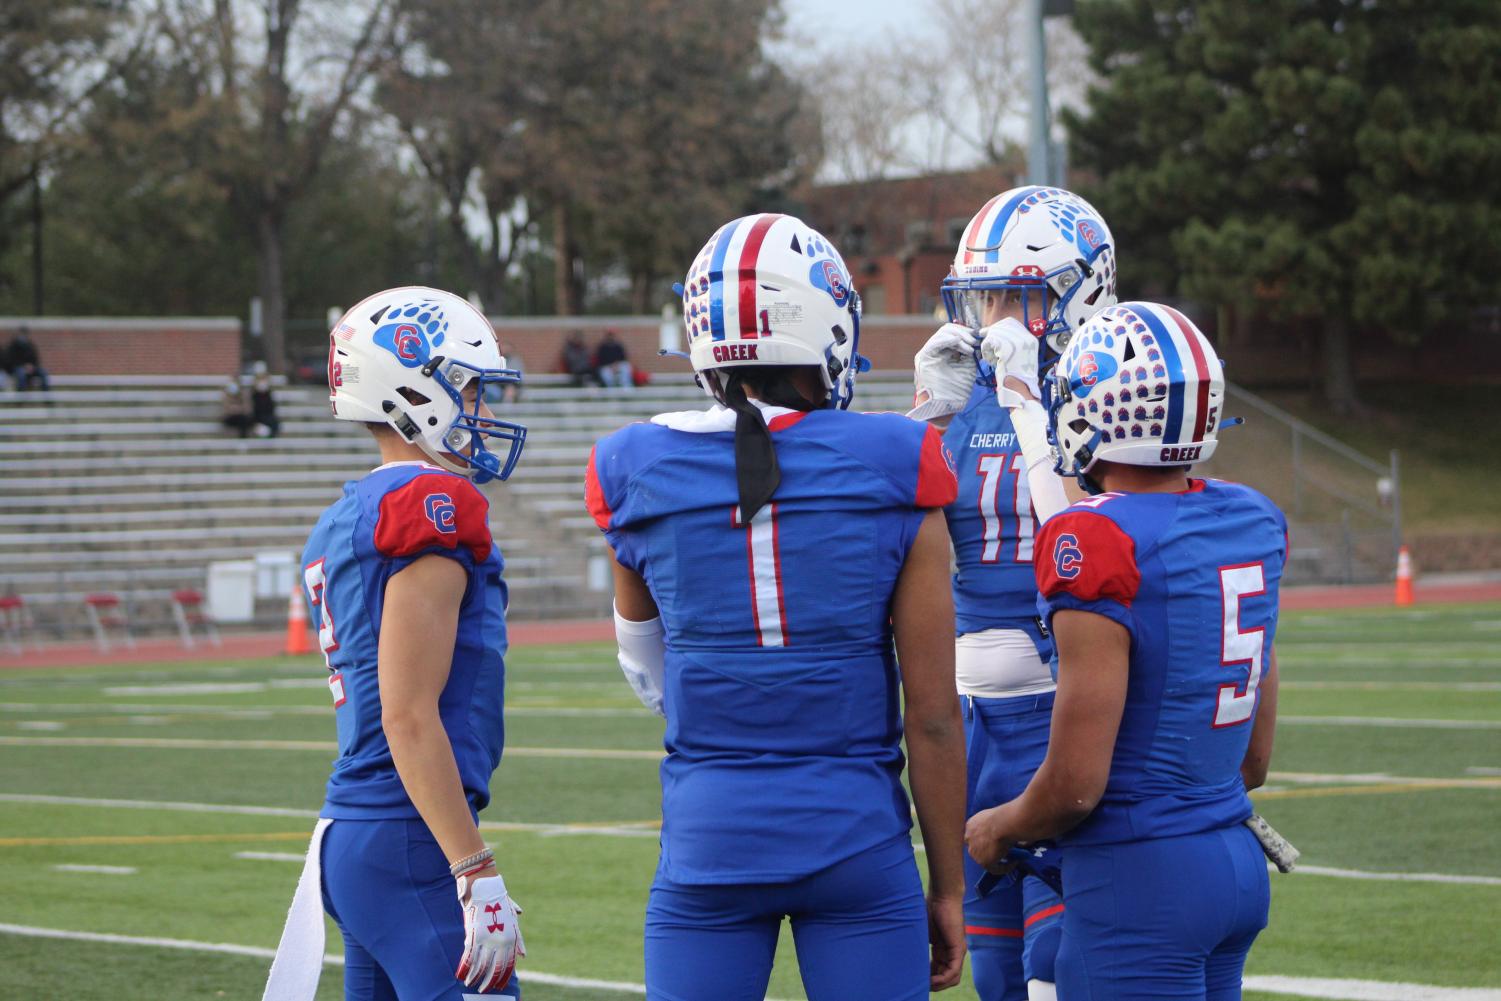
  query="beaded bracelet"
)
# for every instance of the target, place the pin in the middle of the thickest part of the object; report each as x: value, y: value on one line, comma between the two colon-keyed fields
x: 478, y: 860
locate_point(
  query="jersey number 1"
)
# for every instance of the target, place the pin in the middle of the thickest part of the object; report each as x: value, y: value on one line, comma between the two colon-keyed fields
x: 1239, y: 647
x: 765, y: 562
x: 994, y: 469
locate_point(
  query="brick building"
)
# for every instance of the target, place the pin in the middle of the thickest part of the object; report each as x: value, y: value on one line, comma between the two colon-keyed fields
x: 899, y: 236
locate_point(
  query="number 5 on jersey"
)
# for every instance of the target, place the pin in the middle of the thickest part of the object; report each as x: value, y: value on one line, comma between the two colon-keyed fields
x: 1239, y: 646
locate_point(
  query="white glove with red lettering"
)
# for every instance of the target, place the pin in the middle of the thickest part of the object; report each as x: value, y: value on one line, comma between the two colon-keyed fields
x: 492, y: 935
x: 944, y: 372
x: 1011, y: 350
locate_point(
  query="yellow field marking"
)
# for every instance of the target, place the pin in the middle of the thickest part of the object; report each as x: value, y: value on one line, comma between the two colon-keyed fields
x: 1378, y: 788
x: 152, y: 839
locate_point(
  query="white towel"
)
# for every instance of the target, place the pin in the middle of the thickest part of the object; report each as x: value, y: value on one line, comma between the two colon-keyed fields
x: 299, y: 955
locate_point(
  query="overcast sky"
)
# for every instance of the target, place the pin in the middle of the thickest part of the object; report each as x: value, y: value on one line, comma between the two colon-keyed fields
x: 856, y: 21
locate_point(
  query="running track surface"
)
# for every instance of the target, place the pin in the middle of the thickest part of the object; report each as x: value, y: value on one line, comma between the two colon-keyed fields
x: 243, y: 646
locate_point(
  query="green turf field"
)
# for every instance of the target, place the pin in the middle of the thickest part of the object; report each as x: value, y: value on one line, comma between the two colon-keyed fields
x: 1388, y: 762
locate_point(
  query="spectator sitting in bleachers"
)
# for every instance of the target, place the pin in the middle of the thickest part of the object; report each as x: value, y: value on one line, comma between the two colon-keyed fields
x: 575, y: 361
x: 24, y: 363
x: 235, y: 409
x: 611, y: 363
x: 263, y: 409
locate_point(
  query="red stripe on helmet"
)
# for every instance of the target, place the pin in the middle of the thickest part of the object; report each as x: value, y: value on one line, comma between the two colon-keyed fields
x: 973, y: 233
x: 749, y: 253
x: 1201, y: 368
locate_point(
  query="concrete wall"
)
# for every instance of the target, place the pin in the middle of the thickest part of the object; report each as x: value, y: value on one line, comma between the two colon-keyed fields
x: 81, y: 345
x: 211, y: 346
x: 888, y: 341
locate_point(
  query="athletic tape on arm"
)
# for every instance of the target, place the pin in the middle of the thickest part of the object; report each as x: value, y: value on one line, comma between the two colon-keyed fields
x: 643, y: 652
x: 1031, y: 424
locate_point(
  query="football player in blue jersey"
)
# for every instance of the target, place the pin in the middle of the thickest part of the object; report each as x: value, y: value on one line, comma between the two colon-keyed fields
x: 769, y: 551
x: 1162, y: 594
x: 1033, y: 265
x: 404, y: 581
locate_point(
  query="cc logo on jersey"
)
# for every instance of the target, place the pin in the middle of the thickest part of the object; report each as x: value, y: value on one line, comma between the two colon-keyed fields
x: 440, y: 511
x: 1067, y: 557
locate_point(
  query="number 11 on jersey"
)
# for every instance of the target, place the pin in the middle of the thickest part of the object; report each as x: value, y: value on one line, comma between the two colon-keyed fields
x: 1000, y: 501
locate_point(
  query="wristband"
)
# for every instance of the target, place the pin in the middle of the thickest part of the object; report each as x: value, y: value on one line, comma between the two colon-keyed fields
x: 470, y: 864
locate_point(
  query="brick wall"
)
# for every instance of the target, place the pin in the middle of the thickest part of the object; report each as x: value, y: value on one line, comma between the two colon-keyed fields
x: 133, y: 346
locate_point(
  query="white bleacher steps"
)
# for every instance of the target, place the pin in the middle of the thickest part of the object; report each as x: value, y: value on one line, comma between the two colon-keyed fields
x: 131, y: 485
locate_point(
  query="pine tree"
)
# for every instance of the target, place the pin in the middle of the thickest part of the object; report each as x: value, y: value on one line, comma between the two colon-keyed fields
x: 1335, y: 163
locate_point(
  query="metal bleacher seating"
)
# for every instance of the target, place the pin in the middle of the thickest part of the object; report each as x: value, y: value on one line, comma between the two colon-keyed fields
x: 128, y: 485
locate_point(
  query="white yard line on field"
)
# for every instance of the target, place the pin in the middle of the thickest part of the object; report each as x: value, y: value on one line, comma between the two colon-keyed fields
x: 105, y: 870
x: 1393, y: 721
x: 1317, y: 987
x: 271, y: 857
x: 1366, y: 990
x: 616, y: 828
x: 191, y: 688
x: 1394, y: 877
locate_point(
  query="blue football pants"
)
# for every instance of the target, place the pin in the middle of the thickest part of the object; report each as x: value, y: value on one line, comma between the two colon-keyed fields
x: 1013, y: 932
x: 386, y: 884
x: 1166, y: 918
x: 860, y: 927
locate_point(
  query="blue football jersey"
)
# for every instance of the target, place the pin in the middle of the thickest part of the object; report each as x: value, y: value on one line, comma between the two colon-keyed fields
x: 781, y: 686
x: 991, y: 522
x: 385, y: 521
x: 1193, y: 577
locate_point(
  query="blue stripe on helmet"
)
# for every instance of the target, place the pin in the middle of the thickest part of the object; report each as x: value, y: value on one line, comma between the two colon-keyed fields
x: 993, y: 238
x: 716, y: 278
x: 1173, y: 362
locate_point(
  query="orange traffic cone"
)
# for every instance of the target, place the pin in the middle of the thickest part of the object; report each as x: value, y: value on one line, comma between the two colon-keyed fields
x: 1404, y: 577
x: 297, y: 632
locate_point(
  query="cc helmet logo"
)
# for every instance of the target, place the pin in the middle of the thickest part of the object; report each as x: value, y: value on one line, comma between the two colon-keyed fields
x: 835, y: 280
x: 825, y: 274
x: 1089, y: 369
x: 408, y: 342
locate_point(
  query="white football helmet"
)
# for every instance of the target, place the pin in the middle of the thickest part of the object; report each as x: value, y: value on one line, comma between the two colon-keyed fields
x: 403, y: 358
x: 1138, y: 385
x: 769, y: 290
x: 1035, y: 240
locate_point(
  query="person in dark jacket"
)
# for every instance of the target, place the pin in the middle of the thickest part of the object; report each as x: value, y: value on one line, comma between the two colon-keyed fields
x: 24, y: 363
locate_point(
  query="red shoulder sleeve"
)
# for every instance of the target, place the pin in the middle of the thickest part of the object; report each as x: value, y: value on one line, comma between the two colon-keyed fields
x: 594, y: 495
x: 937, y: 486
x: 1086, y: 555
x: 434, y: 511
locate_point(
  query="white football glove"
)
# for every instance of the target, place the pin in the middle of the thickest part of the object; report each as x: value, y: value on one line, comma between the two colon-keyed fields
x: 944, y: 372
x: 1011, y: 350
x: 492, y: 934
